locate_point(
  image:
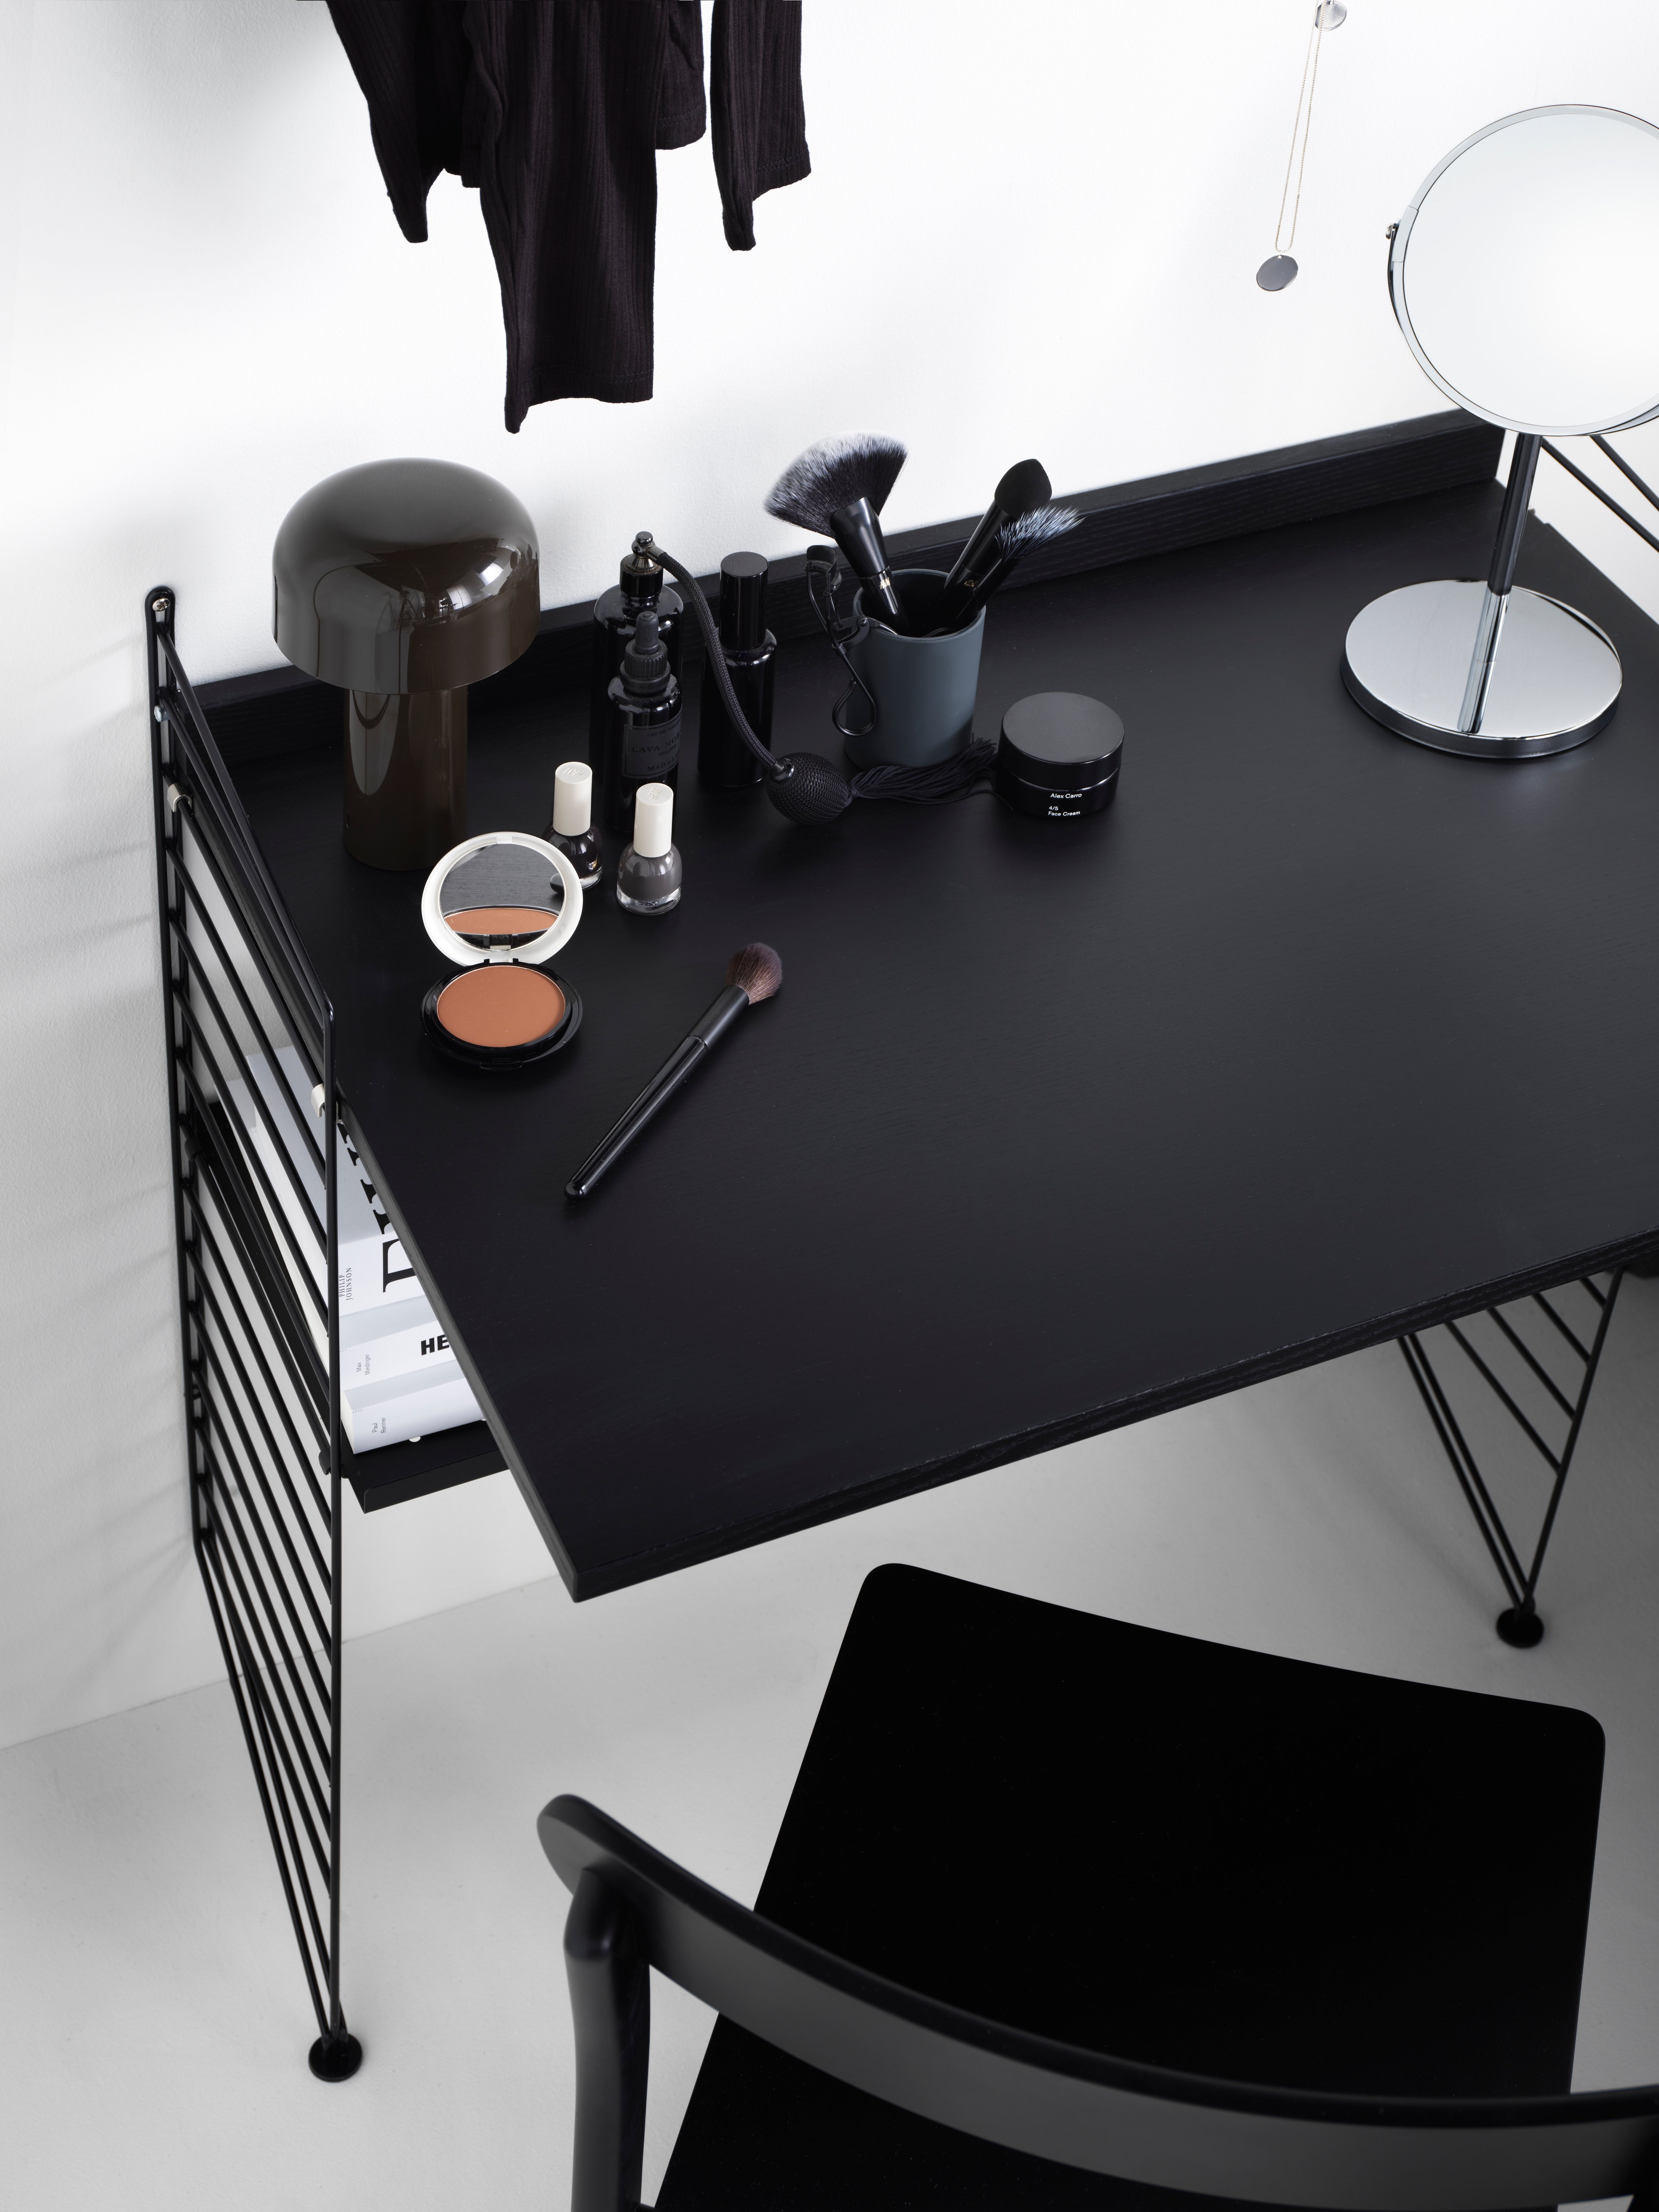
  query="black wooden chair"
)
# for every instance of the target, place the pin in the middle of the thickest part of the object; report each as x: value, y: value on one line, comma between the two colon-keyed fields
x: 1068, y: 1913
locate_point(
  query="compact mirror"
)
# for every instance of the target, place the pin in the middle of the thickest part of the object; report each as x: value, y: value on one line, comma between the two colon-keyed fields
x: 500, y: 896
x: 1518, y: 275
x: 499, y: 907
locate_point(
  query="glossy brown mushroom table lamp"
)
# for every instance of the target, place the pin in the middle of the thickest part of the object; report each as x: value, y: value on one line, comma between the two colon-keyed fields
x: 404, y: 581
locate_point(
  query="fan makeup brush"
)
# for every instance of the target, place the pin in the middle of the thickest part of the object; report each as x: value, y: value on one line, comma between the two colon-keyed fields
x: 1040, y: 527
x: 837, y: 489
x: 751, y: 975
x: 1024, y: 486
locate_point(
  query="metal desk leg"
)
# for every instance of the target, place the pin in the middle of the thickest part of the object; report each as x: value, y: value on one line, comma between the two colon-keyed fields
x: 1519, y: 1623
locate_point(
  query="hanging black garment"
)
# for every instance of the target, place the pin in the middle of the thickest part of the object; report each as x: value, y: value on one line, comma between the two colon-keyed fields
x: 554, y: 110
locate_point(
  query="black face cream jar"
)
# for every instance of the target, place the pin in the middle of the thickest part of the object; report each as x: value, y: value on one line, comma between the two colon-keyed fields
x: 498, y: 907
x: 1058, y: 756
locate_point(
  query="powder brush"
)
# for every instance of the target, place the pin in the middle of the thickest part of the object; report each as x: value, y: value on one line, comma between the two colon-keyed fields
x: 1022, y: 486
x: 837, y: 489
x: 751, y: 975
x: 1013, y: 541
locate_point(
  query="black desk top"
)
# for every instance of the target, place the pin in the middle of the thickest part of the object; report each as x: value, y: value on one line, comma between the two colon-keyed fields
x: 1315, y: 1037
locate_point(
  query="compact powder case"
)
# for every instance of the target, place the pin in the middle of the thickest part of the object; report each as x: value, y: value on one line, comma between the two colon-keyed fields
x: 1058, y: 756
x: 499, y: 907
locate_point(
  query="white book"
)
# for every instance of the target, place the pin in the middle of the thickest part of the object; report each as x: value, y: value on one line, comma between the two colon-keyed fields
x: 404, y: 1339
x: 391, y: 1275
x: 398, y: 1378
x: 374, y: 1270
x: 375, y: 1414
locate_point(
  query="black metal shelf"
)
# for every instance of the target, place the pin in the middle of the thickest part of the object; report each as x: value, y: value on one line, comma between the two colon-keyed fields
x: 416, y: 1470
x: 258, y: 1287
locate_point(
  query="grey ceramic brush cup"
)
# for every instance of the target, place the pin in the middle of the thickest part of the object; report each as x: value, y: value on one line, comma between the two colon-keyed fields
x: 924, y: 687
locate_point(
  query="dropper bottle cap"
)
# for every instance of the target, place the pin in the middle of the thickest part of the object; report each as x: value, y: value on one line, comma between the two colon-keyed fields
x: 645, y: 659
x: 654, y: 821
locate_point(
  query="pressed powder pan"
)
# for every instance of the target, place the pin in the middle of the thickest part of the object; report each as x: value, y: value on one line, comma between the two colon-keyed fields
x: 501, y: 1008
x: 498, y: 907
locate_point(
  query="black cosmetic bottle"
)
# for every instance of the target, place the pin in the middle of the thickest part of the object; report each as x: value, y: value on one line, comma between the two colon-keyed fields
x: 641, y: 726
x: 748, y: 650
x: 615, y: 613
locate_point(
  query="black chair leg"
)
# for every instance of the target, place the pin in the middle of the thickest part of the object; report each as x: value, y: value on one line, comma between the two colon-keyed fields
x: 610, y: 2006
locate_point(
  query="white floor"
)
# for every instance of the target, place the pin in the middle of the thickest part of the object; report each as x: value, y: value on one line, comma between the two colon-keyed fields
x: 154, y: 2021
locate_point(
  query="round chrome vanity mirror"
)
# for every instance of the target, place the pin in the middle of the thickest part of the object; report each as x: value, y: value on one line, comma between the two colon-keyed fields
x: 1525, y: 277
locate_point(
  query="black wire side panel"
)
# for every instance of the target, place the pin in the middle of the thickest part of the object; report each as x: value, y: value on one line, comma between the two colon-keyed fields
x: 249, y: 1040
x: 1536, y: 1359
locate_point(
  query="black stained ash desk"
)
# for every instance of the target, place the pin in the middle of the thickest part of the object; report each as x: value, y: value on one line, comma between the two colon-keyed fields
x: 1317, y: 1036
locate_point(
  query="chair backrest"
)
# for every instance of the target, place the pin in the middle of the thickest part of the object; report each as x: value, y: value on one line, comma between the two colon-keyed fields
x: 633, y: 1909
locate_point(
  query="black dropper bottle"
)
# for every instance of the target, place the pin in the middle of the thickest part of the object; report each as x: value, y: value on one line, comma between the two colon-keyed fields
x: 641, y: 585
x: 748, y: 650
x: 642, y: 724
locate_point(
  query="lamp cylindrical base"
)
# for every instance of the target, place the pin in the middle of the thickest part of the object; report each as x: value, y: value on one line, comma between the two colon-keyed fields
x: 405, y: 776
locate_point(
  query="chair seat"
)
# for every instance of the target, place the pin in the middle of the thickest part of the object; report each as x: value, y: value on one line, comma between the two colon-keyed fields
x: 1210, y: 1859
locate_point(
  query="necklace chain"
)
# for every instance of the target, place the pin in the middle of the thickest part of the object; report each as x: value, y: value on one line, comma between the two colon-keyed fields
x: 1300, y: 129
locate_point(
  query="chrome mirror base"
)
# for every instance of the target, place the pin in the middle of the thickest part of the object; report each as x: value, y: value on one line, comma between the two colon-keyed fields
x: 1554, y: 684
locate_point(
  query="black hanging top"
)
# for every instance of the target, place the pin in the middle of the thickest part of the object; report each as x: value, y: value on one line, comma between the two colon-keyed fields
x: 554, y: 110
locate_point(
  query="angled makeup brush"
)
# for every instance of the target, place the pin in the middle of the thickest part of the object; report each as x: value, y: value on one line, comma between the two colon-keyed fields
x: 1041, y: 527
x: 1024, y: 486
x: 751, y: 975
x: 837, y: 489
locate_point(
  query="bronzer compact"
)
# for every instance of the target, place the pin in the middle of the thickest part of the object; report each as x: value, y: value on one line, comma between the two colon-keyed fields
x: 499, y: 907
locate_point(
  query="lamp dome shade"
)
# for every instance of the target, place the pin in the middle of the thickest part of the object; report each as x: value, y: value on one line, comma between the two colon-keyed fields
x: 405, y: 576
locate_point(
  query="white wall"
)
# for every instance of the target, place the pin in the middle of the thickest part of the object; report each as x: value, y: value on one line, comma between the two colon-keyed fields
x: 1031, y: 227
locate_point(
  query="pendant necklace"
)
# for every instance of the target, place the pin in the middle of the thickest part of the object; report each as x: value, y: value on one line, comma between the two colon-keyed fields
x: 1278, y: 270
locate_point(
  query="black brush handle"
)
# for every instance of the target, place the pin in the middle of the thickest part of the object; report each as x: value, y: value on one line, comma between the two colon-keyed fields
x: 681, y: 1064
x: 985, y: 587
x: 858, y: 533
x: 978, y: 553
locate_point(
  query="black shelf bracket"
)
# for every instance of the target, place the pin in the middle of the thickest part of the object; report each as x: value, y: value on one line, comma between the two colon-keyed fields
x: 1560, y: 1387
x: 250, y: 1066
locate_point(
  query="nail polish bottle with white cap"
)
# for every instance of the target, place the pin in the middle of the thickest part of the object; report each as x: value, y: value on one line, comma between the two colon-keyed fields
x: 572, y: 826
x: 649, y: 872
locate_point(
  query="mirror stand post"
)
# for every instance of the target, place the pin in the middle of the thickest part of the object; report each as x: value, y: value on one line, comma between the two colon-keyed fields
x: 1408, y: 664
x: 1523, y: 467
